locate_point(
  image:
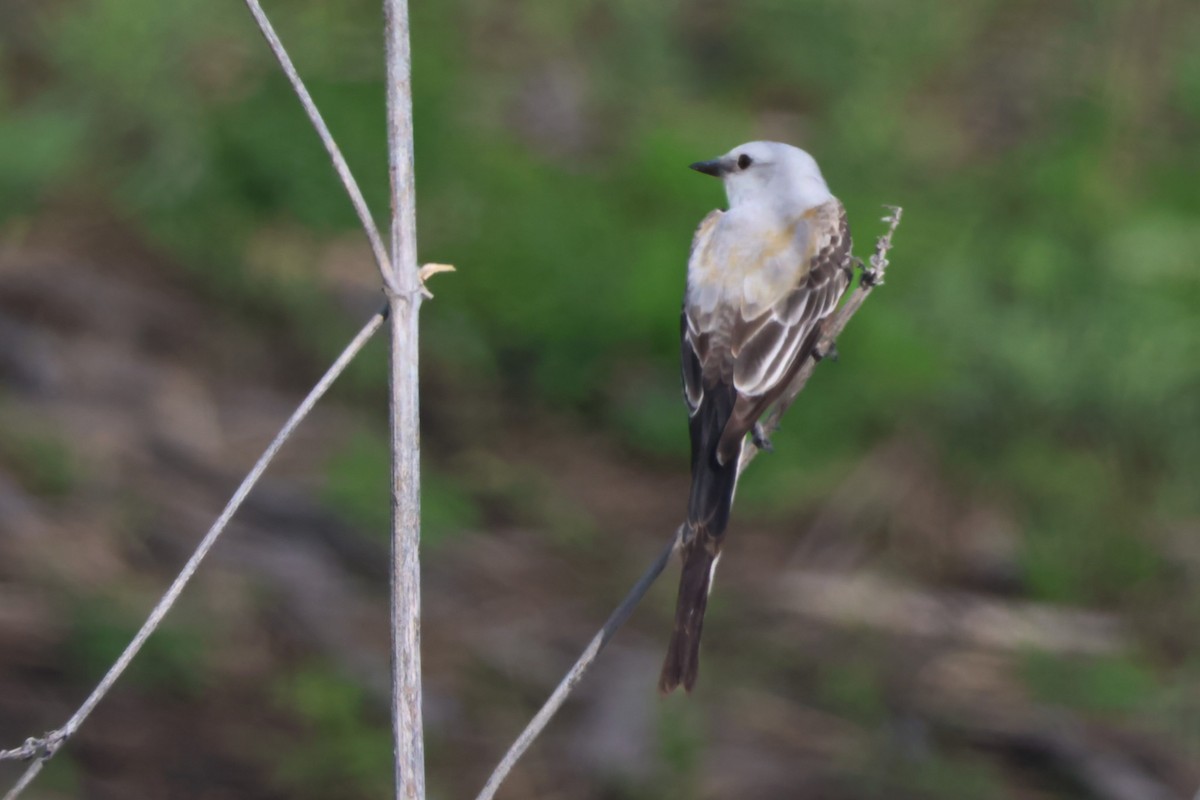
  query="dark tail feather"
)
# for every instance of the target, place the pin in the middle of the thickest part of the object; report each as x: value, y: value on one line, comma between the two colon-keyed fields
x: 683, y: 654
x: 709, y: 505
x: 711, y: 497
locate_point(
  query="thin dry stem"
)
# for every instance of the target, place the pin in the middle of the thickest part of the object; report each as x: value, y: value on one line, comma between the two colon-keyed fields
x: 22, y: 753
x: 331, y: 147
x: 873, y: 275
x: 575, y: 674
x: 44, y: 748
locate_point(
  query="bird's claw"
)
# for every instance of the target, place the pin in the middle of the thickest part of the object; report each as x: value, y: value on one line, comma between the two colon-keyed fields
x: 826, y: 351
x: 760, y: 439
x: 871, y: 277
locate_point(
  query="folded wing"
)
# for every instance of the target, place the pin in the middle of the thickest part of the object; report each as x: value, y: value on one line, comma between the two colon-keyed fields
x: 758, y: 354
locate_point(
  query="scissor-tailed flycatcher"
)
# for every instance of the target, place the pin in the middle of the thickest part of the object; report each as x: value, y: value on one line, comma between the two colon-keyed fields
x: 761, y: 278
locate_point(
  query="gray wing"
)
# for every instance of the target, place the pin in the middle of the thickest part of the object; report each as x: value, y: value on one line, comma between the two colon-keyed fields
x: 769, y: 349
x: 766, y: 348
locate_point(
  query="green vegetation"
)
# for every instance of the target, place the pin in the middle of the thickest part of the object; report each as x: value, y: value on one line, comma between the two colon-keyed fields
x: 1110, y: 685
x: 357, y: 487
x: 1042, y: 293
x: 940, y: 778
x: 1037, y: 330
x: 42, y: 463
x: 344, y: 754
x: 173, y: 660
x: 854, y: 691
x: 61, y: 777
x: 681, y: 747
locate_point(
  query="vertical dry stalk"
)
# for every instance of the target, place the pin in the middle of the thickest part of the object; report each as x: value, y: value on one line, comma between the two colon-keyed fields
x: 403, y: 285
x: 404, y: 299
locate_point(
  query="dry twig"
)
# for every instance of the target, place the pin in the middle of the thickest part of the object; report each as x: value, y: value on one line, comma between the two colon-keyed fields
x: 575, y: 674
x: 335, y: 153
x: 872, y: 277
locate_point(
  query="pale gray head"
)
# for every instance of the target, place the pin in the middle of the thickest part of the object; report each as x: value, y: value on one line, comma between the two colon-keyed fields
x: 769, y: 173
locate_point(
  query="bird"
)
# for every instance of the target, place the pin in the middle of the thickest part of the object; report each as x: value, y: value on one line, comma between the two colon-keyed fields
x: 762, y: 277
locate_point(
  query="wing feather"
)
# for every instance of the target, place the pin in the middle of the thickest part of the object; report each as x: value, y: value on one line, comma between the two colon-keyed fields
x: 775, y: 342
x: 755, y: 346
x: 778, y: 347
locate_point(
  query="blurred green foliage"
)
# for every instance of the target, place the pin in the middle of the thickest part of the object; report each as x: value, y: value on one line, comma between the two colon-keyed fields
x: 853, y: 691
x: 101, y: 626
x: 357, y: 487
x: 1042, y: 296
x: 346, y: 754
x: 1038, y: 326
x: 680, y: 749
x: 62, y: 777
x: 38, y: 147
x: 44, y: 464
x: 1108, y: 685
x: 937, y: 777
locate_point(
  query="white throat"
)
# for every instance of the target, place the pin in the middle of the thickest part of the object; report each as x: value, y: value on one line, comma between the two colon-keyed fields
x: 785, y: 195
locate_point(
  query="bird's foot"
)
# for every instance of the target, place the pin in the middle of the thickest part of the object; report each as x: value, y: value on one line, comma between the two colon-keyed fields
x: 826, y: 351
x: 871, y: 277
x: 760, y: 439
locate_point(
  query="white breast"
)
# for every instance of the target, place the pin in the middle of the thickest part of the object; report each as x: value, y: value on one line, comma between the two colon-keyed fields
x: 749, y: 262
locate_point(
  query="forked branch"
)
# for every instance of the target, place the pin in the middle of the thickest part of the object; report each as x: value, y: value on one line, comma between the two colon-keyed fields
x: 335, y: 153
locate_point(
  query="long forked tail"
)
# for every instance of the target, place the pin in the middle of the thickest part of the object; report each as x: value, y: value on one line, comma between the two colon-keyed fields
x: 710, y: 501
x: 683, y: 654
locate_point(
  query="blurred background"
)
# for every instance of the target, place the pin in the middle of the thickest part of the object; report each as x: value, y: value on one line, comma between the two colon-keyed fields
x: 970, y: 570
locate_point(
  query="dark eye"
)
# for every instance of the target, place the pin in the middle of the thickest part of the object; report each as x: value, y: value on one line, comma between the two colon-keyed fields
x: 744, y: 161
